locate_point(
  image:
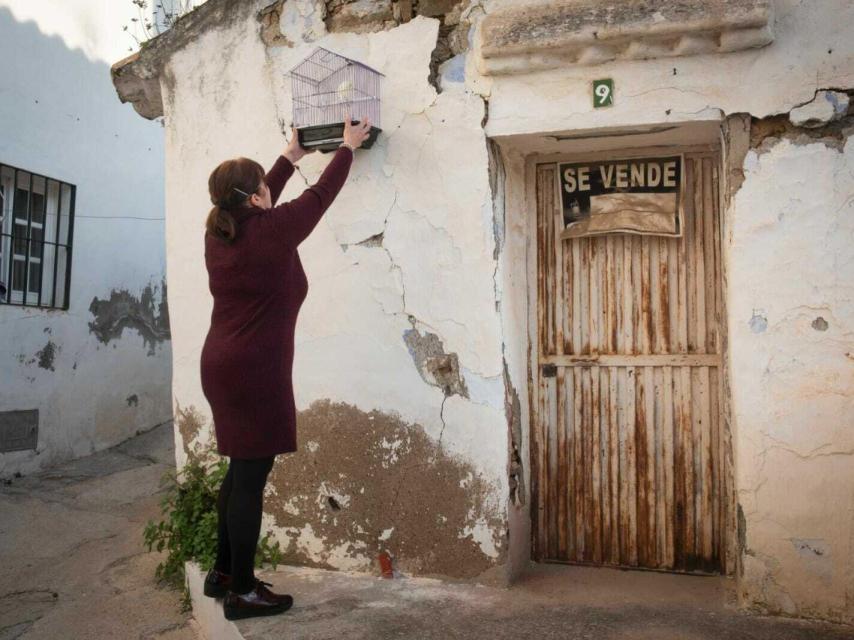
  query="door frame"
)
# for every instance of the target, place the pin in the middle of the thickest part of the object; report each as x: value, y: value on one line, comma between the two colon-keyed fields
x: 722, y: 149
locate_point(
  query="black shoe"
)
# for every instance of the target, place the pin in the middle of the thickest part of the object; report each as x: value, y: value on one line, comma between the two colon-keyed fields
x: 217, y: 584
x: 260, y: 601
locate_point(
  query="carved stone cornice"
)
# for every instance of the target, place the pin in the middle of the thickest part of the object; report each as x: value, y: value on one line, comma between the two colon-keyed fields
x: 528, y: 38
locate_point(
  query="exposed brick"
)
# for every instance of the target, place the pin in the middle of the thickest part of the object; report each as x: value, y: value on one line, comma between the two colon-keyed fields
x: 358, y: 16
x: 435, y: 8
x: 403, y: 10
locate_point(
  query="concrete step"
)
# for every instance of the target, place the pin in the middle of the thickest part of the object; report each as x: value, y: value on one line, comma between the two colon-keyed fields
x: 550, y: 602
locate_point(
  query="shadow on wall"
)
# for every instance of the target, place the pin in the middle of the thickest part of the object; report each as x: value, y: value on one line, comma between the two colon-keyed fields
x: 61, y: 118
x: 50, y: 93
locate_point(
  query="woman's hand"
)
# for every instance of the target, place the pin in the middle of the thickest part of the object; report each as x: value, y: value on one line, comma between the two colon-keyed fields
x: 294, y: 151
x: 356, y: 134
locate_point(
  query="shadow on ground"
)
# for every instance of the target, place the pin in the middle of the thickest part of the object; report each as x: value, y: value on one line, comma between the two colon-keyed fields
x: 74, y: 564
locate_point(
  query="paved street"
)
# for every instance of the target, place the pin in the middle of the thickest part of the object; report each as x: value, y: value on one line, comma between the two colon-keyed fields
x: 74, y: 565
x: 75, y: 568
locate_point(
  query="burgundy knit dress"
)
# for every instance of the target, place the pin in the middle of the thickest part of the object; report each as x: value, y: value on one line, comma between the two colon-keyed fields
x: 258, y: 285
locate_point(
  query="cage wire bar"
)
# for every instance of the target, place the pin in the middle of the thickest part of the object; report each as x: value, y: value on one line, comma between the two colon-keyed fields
x: 27, y: 257
x: 326, y: 86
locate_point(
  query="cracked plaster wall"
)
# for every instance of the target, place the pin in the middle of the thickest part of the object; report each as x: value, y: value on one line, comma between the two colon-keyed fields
x: 812, y: 49
x: 407, y: 247
x: 51, y: 360
x: 419, y: 240
x: 790, y: 263
x: 789, y: 271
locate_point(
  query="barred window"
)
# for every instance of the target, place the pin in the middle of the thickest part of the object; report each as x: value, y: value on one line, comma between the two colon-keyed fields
x: 36, y: 229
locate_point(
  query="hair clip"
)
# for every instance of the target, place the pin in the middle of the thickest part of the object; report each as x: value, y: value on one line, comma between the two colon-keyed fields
x: 243, y: 193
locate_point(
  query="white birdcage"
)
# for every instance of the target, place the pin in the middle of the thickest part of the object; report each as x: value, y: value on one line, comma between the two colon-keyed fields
x: 325, y: 87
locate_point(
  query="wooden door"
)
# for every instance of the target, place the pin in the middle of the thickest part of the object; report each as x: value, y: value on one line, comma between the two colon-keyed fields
x: 631, y: 457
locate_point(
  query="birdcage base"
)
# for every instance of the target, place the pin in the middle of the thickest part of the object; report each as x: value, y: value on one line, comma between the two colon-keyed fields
x: 328, y: 137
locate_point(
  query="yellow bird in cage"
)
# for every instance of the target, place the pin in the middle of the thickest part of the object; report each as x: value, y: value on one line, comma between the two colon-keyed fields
x: 345, y: 91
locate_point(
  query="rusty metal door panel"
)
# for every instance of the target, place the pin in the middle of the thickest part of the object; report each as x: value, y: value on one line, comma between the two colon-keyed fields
x: 631, y: 463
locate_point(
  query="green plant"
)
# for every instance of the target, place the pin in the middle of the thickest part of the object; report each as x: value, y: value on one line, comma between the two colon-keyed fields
x: 150, y: 21
x: 188, y: 530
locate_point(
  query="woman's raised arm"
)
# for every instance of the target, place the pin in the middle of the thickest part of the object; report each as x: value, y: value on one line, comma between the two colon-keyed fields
x: 283, y: 169
x: 278, y: 177
x: 296, y: 219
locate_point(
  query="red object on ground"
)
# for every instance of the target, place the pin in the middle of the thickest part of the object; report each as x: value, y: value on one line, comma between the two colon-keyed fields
x: 385, y: 565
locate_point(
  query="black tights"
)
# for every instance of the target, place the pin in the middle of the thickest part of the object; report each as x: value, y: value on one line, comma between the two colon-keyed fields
x: 239, y: 505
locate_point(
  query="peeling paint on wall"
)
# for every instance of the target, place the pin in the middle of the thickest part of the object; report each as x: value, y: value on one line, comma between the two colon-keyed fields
x: 513, y: 410
x: 271, y: 33
x: 741, y: 535
x: 497, y: 180
x: 436, y: 367
x: 758, y: 322
x: 370, y: 483
x: 359, y: 16
x: 190, y: 423
x: 819, y: 324
x: 766, y: 132
x: 816, y: 556
x: 789, y: 271
x: 46, y: 356
x: 123, y: 310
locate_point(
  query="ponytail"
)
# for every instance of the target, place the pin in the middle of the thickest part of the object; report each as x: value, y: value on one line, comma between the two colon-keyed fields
x: 221, y: 224
x: 228, y: 185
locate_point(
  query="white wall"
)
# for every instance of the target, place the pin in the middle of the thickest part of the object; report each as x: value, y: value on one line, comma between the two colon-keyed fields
x: 812, y: 49
x: 434, y: 268
x: 425, y: 187
x: 789, y: 261
x: 61, y: 118
x: 791, y: 268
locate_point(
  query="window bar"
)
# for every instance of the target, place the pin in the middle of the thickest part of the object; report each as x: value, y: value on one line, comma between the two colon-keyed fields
x: 68, y: 248
x: 10, y: 287
x: 2, y: 225
x: 46, y: 188
x: 56, y: 244
x: 29, y: 241
x: 7, y: 198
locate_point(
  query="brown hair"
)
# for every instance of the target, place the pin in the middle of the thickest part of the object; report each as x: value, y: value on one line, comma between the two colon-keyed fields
x: 229, y: 185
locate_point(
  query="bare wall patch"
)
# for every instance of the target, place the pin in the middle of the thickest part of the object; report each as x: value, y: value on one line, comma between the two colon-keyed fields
x: 366, y: 482
x: 44, y: 357
x: 190, y: 423
x: 47, y: 355
x: 819, y: 324
x: 122, y: 310
x: 765, y: 133
x: 365, y: 16
x: 436, y: 367
x: 513, y: 411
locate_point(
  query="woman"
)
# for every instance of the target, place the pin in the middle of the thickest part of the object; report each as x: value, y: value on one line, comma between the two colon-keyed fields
x: 258, y: 285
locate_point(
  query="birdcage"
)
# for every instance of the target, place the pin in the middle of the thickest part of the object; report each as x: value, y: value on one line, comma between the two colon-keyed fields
x: 325, y: 87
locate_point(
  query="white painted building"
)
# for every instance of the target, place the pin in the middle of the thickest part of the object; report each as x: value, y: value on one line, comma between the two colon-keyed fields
x: 85, y: 355
x: 478, y: 386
